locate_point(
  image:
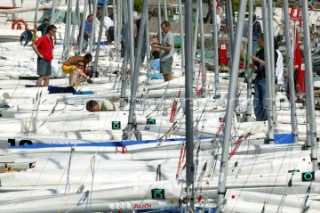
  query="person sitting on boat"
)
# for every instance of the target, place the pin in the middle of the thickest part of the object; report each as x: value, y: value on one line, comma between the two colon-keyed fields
x: 97, y: 106
x: 71, y: 63
x: 77, y: 76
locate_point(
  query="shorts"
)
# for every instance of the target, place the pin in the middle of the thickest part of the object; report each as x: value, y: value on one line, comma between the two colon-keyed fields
x: 67, y: 69
x: 166, y: 66
x: 43, y: 67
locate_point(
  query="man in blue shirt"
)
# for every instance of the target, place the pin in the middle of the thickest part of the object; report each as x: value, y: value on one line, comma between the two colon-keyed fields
x: 43, y: 27
x: 87, y: 32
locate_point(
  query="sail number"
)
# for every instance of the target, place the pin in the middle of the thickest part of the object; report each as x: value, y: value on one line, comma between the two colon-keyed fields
x: 12, y: 142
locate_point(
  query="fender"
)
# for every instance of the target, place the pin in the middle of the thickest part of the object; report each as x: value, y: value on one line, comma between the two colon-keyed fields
x: 19, y: 22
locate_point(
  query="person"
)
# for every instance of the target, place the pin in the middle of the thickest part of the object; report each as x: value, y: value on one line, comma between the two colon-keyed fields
x: 209, y: 13
x: 144, y: 44
x: 256, y: 31
x: 43, y: 27
x: 260, y: 99
x: 76, y: 74
x: 279, y: 67
x: 104, y: 105
x: 87, y: 32
x: 155, y: 52
x: 71, y: 63
x: 167, y: 50
x: 218, y: 20
x: 245, y: 32
x: 109, y: 26
x: 44, y: 49
x: 125, y: 36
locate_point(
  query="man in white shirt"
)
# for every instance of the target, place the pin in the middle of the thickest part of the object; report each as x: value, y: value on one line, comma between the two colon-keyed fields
x: 218, y: 24
x: 109, y: 26
x: 103, y: 105
x: 279, y: 70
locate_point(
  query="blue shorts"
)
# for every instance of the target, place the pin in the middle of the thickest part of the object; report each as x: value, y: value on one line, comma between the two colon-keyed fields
x: 43, y: 67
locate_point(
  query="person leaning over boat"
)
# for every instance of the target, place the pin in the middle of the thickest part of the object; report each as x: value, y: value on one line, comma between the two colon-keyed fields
x: 167, y: 51
x: 97, y: 106
x: 260, y: 98
x: 44, y: 49
x: 70, y: 63
x: 77, y: 75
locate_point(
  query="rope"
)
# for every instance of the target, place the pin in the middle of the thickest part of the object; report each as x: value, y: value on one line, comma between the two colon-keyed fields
x: 68, y: 172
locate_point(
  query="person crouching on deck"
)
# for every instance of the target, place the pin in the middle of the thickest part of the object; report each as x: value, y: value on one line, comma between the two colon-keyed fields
x: 77, y: 76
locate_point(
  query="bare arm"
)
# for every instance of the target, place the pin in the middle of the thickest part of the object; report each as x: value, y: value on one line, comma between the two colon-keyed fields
x: 81, y: 73
x: 35, y: 48
x: 262, y: 62
x: 161, y: 47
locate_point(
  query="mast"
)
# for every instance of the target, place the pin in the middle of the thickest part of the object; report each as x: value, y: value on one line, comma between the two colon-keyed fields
x: 203, y: 66
x: 271, y: 111
x: 35, y: 21
x: 215, y: 46
x: 124, y: 67
x: 54, y: 5
x: 147, y: 47
x: 159, y: 21
x: 311, y: 121
x: 230, y: 107
x: 268, y: 68
x: 181, y: 36
x: 290, y: 71
x: 104, y: 11
x: 230, y: 27
x: 165, y: 10
x: 93, y: 30
x: 84, y: 17
x: 249, y: 77
x: 135, y: 77
x: 195, y: 33
x: 66, y: 40
x: 189, y: 102
x: 117, y: 26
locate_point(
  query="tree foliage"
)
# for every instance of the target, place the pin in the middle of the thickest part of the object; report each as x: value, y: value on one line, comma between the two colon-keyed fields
x: 138, y: 5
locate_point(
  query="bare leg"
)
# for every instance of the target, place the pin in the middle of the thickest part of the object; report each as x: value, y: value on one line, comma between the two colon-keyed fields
x: 46, y: 80
x: 167, y: 77
x: 39, y: 81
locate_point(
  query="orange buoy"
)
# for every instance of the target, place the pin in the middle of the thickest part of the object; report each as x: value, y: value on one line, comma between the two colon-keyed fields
x: 18, y: 23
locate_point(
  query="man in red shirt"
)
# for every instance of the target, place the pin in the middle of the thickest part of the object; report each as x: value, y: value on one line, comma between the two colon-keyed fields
x: 44, y: 49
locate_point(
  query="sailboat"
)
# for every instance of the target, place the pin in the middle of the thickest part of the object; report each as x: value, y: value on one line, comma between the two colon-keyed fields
x: 57, y: 156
